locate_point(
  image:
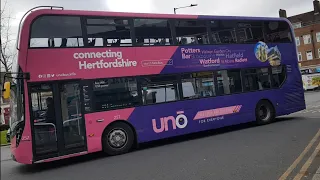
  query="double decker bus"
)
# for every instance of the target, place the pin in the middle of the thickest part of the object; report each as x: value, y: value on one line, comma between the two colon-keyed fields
x: 89, y: 81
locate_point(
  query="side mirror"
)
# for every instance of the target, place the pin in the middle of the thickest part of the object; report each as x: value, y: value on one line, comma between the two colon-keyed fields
x: 6, y: 90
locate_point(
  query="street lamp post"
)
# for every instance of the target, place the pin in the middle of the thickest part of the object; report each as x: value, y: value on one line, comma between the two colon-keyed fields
x: 191, y: 5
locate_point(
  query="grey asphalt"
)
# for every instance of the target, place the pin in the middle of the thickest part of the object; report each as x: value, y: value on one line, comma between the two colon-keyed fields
x: 244, y: 152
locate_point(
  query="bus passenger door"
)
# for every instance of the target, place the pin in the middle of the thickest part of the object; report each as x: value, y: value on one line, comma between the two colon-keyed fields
x: 43, y: 120
x: 58, y: 124
x: 73, y: 127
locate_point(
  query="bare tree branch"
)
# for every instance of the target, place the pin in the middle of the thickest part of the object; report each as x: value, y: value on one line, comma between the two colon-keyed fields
x: 7, y: 53
x: 2, y: 10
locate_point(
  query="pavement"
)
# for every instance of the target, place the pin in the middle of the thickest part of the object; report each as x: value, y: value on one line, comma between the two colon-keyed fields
x: 5, y: 153
x: 286, y: 149
x: 317, y: 175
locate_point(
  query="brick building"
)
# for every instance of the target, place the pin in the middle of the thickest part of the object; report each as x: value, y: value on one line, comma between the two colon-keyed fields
x: 307, y: 36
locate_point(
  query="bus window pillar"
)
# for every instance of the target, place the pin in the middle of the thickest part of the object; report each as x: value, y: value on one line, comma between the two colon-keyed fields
x: 225, y: 81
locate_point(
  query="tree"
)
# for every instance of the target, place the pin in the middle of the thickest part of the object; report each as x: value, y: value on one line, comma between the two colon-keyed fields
x: 7, y: 53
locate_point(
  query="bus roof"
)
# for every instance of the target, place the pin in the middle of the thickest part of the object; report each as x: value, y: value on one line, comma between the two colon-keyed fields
x: 40, y: 12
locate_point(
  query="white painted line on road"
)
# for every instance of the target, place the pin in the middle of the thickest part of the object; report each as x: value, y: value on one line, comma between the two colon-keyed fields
x: 307, y: 164
x: 296, y: 162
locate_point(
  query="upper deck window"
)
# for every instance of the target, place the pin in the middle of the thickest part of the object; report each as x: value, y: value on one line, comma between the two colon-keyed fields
x: 151, y: 32
x: 224, y: 32
x: 236, y: 31
x: 53, y: 31
x: 103, y: 32
x: 277, y: 32
x: 191, y: 32
x: 56, y: 31
x: 249, y: 31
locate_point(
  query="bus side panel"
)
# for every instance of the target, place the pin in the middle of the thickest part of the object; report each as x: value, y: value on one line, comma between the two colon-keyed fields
x: 293, y: 91
x: 23, y: 152
x: 97, y: 122
x: 178, y: 118
x: 164, y: 120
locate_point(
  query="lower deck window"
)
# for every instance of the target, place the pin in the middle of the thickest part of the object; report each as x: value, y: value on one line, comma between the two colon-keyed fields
x: 257, y: 79
x: 196, y: 85
x: 115, y: 93
x: 159, y: 89
x: 278, y: 76
x: 229, y: 82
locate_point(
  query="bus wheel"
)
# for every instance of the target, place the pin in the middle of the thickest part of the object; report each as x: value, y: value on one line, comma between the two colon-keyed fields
x: 117, y: 139
x: 265, y: 112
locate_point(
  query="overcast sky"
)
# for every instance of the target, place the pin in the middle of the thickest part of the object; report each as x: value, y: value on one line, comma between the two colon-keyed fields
x: 212, y: 7
x: 270, y: 8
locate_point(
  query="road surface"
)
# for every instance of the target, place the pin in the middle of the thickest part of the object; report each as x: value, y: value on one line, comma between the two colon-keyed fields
x: 243, y: 152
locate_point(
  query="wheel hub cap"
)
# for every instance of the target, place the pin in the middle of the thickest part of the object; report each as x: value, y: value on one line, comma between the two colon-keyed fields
x: 117, y: 138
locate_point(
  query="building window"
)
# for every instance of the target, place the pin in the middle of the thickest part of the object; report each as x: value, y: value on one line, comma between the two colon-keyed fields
x: 318, y: 36
x: 159, y: 89
x: 297, y: 25
x: 300, y: 56
x: 309, y: 55
x: 197, y: 85
x: 56, y: 31
x: 151, y: 32
x: 191, y: 32
x: 115, y: 93
x: 103, y: 32
x: 307, y: 39
x: 298, y: 41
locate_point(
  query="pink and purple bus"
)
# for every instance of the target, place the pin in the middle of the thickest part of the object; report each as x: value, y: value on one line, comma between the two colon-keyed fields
x: 92, y: 81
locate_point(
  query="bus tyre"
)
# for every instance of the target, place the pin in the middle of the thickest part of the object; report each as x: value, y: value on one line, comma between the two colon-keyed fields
x: 118, y: 138
x: 265, y: 112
